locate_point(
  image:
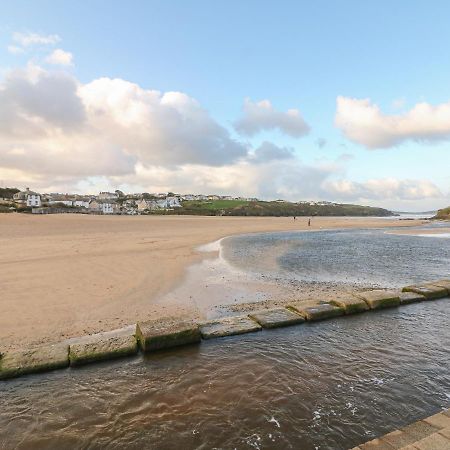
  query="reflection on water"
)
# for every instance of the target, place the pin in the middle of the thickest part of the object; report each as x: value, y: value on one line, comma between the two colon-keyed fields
x: 364, y: 257
x: 328, y: 385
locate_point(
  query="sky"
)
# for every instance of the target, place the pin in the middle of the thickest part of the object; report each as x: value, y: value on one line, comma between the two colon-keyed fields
x: 345, y: 101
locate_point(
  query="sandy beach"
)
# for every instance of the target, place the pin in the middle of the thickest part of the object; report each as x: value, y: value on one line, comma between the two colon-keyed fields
x: 64, y: 276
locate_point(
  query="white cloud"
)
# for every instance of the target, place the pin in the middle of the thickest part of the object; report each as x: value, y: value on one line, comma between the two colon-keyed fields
x: 53, y: 125
x: 60, y: 57
x: 262, y: 116
x: 15, y: 50
x: 28, y: 39
x: 362, y: 122
x: 383, y: 188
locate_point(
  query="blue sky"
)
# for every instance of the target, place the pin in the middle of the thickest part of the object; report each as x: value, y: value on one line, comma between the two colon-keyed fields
x: 296, y: 55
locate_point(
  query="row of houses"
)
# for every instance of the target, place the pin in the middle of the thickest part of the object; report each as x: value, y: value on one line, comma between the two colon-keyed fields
x: 104, y: 203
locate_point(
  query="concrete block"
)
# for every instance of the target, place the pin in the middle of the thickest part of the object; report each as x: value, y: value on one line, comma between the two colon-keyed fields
x: 277, y: 317
x: 398, y: 439
x: 410, y: 297
x: 40, y: 359
x: 439, y: 420
x: 375, y: 444
x: 435, y: 441
x: 102, y: 348
x: 166, y: 333
x: 317, y: 312
x: 228, y: 326
x: 429, y: 291
x: 419, y: 430
x: 378, y: 298
x: 351, y: 305
x: 441, y: 283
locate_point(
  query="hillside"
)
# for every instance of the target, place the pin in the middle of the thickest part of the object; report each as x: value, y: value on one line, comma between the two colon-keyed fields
x: 278, y: 209
x: 443, y: 214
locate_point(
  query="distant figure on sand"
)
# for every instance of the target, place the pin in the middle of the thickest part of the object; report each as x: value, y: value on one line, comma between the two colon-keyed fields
x: 309, y: 222
x: 294, y: 218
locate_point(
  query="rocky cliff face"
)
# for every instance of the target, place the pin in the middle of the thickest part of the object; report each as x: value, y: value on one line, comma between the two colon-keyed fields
x: 443, y: 214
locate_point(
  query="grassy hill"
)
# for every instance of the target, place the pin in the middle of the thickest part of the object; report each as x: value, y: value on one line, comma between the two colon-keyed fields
x: 278, y: 209
x: 443, y: 214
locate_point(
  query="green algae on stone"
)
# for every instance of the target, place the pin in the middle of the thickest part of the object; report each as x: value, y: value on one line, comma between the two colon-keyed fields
x: 410, y: 297
x: 441, y: 283
x: 317, y: 312
x: 39, y: 359
x: 429, y: 291
x: 277, y: 317
x: 102, y: 348
x: 228, y: 326
x: 166, y: 333
x: 351, y: 305
x: 379, y: 298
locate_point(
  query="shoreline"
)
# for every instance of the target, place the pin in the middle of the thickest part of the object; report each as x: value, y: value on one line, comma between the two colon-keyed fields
x: 67, y: 276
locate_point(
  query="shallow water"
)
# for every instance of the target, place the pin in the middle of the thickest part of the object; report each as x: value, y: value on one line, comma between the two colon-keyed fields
x: 361, y: 257
x: 328, y: 385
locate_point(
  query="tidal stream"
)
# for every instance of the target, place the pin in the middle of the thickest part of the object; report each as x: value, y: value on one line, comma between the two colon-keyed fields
x: 328, y: 385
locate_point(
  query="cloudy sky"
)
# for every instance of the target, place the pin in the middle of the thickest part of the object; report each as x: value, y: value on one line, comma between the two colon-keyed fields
x: 346, y: 101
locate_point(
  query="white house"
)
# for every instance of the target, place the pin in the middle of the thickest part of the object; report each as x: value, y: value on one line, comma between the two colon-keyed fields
x: 28, y: 198
x: 103, y: 206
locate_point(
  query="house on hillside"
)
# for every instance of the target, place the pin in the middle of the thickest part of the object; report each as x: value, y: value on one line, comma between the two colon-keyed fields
x: 100, y: 206
x: 27, y: 198
x: 145, y: 204
x: 154, y: 204
x: 81, y: 202
x: 56, y: 199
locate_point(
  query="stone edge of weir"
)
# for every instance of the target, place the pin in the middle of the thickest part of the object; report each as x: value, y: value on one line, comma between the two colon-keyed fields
x: 431, y: 433
x: 167, y: 333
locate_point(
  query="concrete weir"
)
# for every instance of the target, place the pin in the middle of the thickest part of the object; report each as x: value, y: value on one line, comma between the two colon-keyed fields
x: 102, y: 348
x: 160, y: 334
x: 379, y: 298
x: 351, y: 305
x: 277, y: 317
x: 229, y: 326
x: 172, y: 332
x: 431, y: 433
x: 317, y: 312
x: 39, y: 359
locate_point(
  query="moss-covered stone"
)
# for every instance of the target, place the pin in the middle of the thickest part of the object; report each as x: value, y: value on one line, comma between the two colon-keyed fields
x: 441, y: 283
x: 40, y: 359
x: 102, y: 348
x: 317, y: 312
x: 277, y: 317
x: 430, y: 292
x: 378, y: 298
x: 228, y: 326
x: 166, y: 333
x: 410, y: 297
x: 351, y: 305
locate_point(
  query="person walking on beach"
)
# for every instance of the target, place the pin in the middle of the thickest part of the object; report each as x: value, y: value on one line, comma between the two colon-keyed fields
x: 309, y: 222
x: 294, y: 218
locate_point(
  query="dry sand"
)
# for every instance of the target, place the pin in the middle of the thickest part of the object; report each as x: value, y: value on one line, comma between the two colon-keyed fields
x: 63, y: 276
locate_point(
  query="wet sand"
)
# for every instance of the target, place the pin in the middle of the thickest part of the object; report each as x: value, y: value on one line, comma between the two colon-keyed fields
x: 63, y: 276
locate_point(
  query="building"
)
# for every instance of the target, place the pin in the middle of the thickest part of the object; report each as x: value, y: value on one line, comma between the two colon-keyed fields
x: 28, y: 198
x: 103, y: 206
